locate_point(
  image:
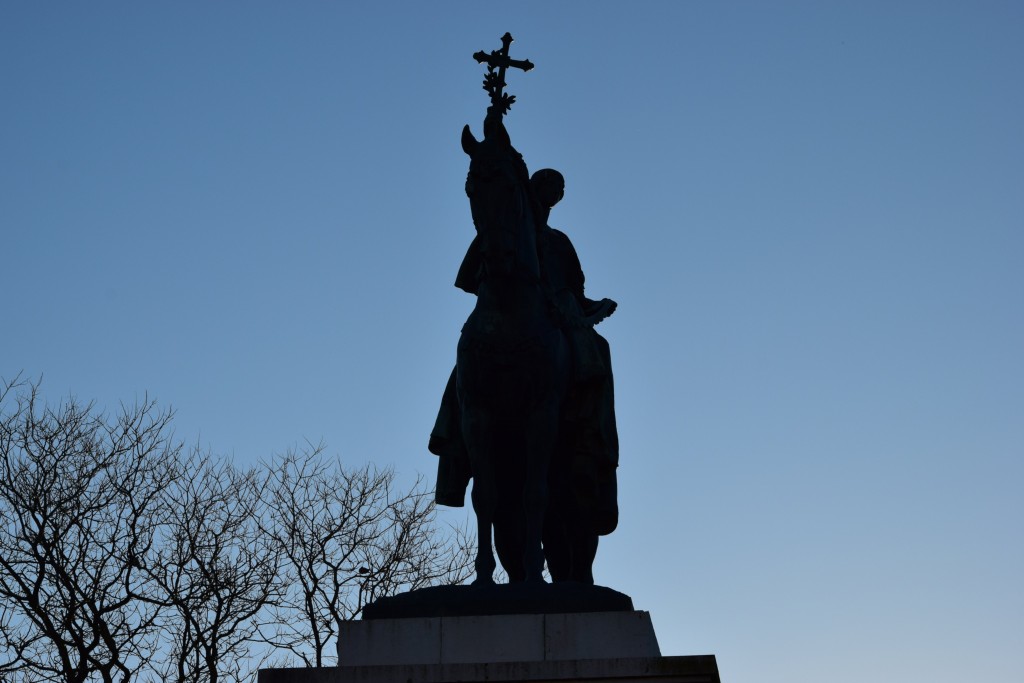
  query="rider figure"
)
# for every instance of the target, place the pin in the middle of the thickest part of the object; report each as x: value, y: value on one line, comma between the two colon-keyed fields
x: 563, y: 277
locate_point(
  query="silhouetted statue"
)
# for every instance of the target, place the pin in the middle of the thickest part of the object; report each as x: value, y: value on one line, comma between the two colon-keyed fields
x: 528, y: 412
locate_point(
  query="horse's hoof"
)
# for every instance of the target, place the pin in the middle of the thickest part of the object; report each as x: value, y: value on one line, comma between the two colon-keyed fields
x: 483, y: 581
x: 536, y: 580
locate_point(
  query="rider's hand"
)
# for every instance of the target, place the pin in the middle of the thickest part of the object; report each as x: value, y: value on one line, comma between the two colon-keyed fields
x: 606, y: 308
x: 609, y: 305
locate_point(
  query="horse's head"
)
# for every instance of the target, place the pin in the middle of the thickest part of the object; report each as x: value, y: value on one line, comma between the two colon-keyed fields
x: 499, y: 198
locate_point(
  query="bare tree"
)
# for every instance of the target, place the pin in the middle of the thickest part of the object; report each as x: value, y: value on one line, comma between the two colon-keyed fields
x: 123, y: 557
x: 79, y: 496
x: 217, y: 570
x: 348, y: 537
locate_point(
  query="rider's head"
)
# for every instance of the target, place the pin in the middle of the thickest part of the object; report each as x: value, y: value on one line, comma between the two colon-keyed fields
x: 549, y: 187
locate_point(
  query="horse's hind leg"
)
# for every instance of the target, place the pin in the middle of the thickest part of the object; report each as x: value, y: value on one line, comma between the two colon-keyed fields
x: 541, y: 431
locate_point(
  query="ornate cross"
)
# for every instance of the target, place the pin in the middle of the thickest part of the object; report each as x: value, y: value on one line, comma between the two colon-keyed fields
x: 494, y: 83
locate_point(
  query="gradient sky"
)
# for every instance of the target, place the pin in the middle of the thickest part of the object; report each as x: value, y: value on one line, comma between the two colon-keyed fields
x: 811, y: 215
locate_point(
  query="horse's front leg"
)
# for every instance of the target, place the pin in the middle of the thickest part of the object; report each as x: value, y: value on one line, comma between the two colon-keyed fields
x: 541, y: 434
x: 485, y: 492
x: 484, y: 503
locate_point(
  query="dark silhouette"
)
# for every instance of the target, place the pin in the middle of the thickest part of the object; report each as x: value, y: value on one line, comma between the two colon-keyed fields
x: 528, y: 412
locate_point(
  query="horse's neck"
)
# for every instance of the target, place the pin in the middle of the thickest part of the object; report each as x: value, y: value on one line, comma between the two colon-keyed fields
x: 512, y: 296
x: 518, y: 302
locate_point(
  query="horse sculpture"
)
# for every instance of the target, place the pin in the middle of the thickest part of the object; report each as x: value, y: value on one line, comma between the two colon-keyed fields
x: 513, y: 363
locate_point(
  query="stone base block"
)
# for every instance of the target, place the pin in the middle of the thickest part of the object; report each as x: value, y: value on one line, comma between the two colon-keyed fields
x: 605, y: 647
x: 492, y: 639
x: 700, y: 669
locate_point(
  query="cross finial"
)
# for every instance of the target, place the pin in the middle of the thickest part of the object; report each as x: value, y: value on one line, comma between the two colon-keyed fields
x: 494, y: 83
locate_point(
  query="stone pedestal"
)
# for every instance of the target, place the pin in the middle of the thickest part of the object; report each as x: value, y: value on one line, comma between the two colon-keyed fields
x: 492, y: 639
x: 610, y: 647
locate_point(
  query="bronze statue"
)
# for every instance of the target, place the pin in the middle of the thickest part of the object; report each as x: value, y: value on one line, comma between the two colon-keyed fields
x: 528, y: 412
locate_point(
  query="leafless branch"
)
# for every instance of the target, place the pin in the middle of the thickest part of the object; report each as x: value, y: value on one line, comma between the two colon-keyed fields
x: 348, y: 537
x: 78, y: 494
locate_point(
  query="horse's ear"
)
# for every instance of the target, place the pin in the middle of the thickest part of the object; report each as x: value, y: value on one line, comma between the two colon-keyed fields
x: 469, y: 143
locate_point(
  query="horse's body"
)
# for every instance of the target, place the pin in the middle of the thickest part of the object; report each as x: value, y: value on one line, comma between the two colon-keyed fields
x: 513, y: 364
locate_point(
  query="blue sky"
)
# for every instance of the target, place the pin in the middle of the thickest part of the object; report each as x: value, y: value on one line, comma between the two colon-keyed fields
x: 811, y: 215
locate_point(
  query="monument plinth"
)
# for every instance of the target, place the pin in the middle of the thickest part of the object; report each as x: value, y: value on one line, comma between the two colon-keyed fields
x: 610, y: 647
